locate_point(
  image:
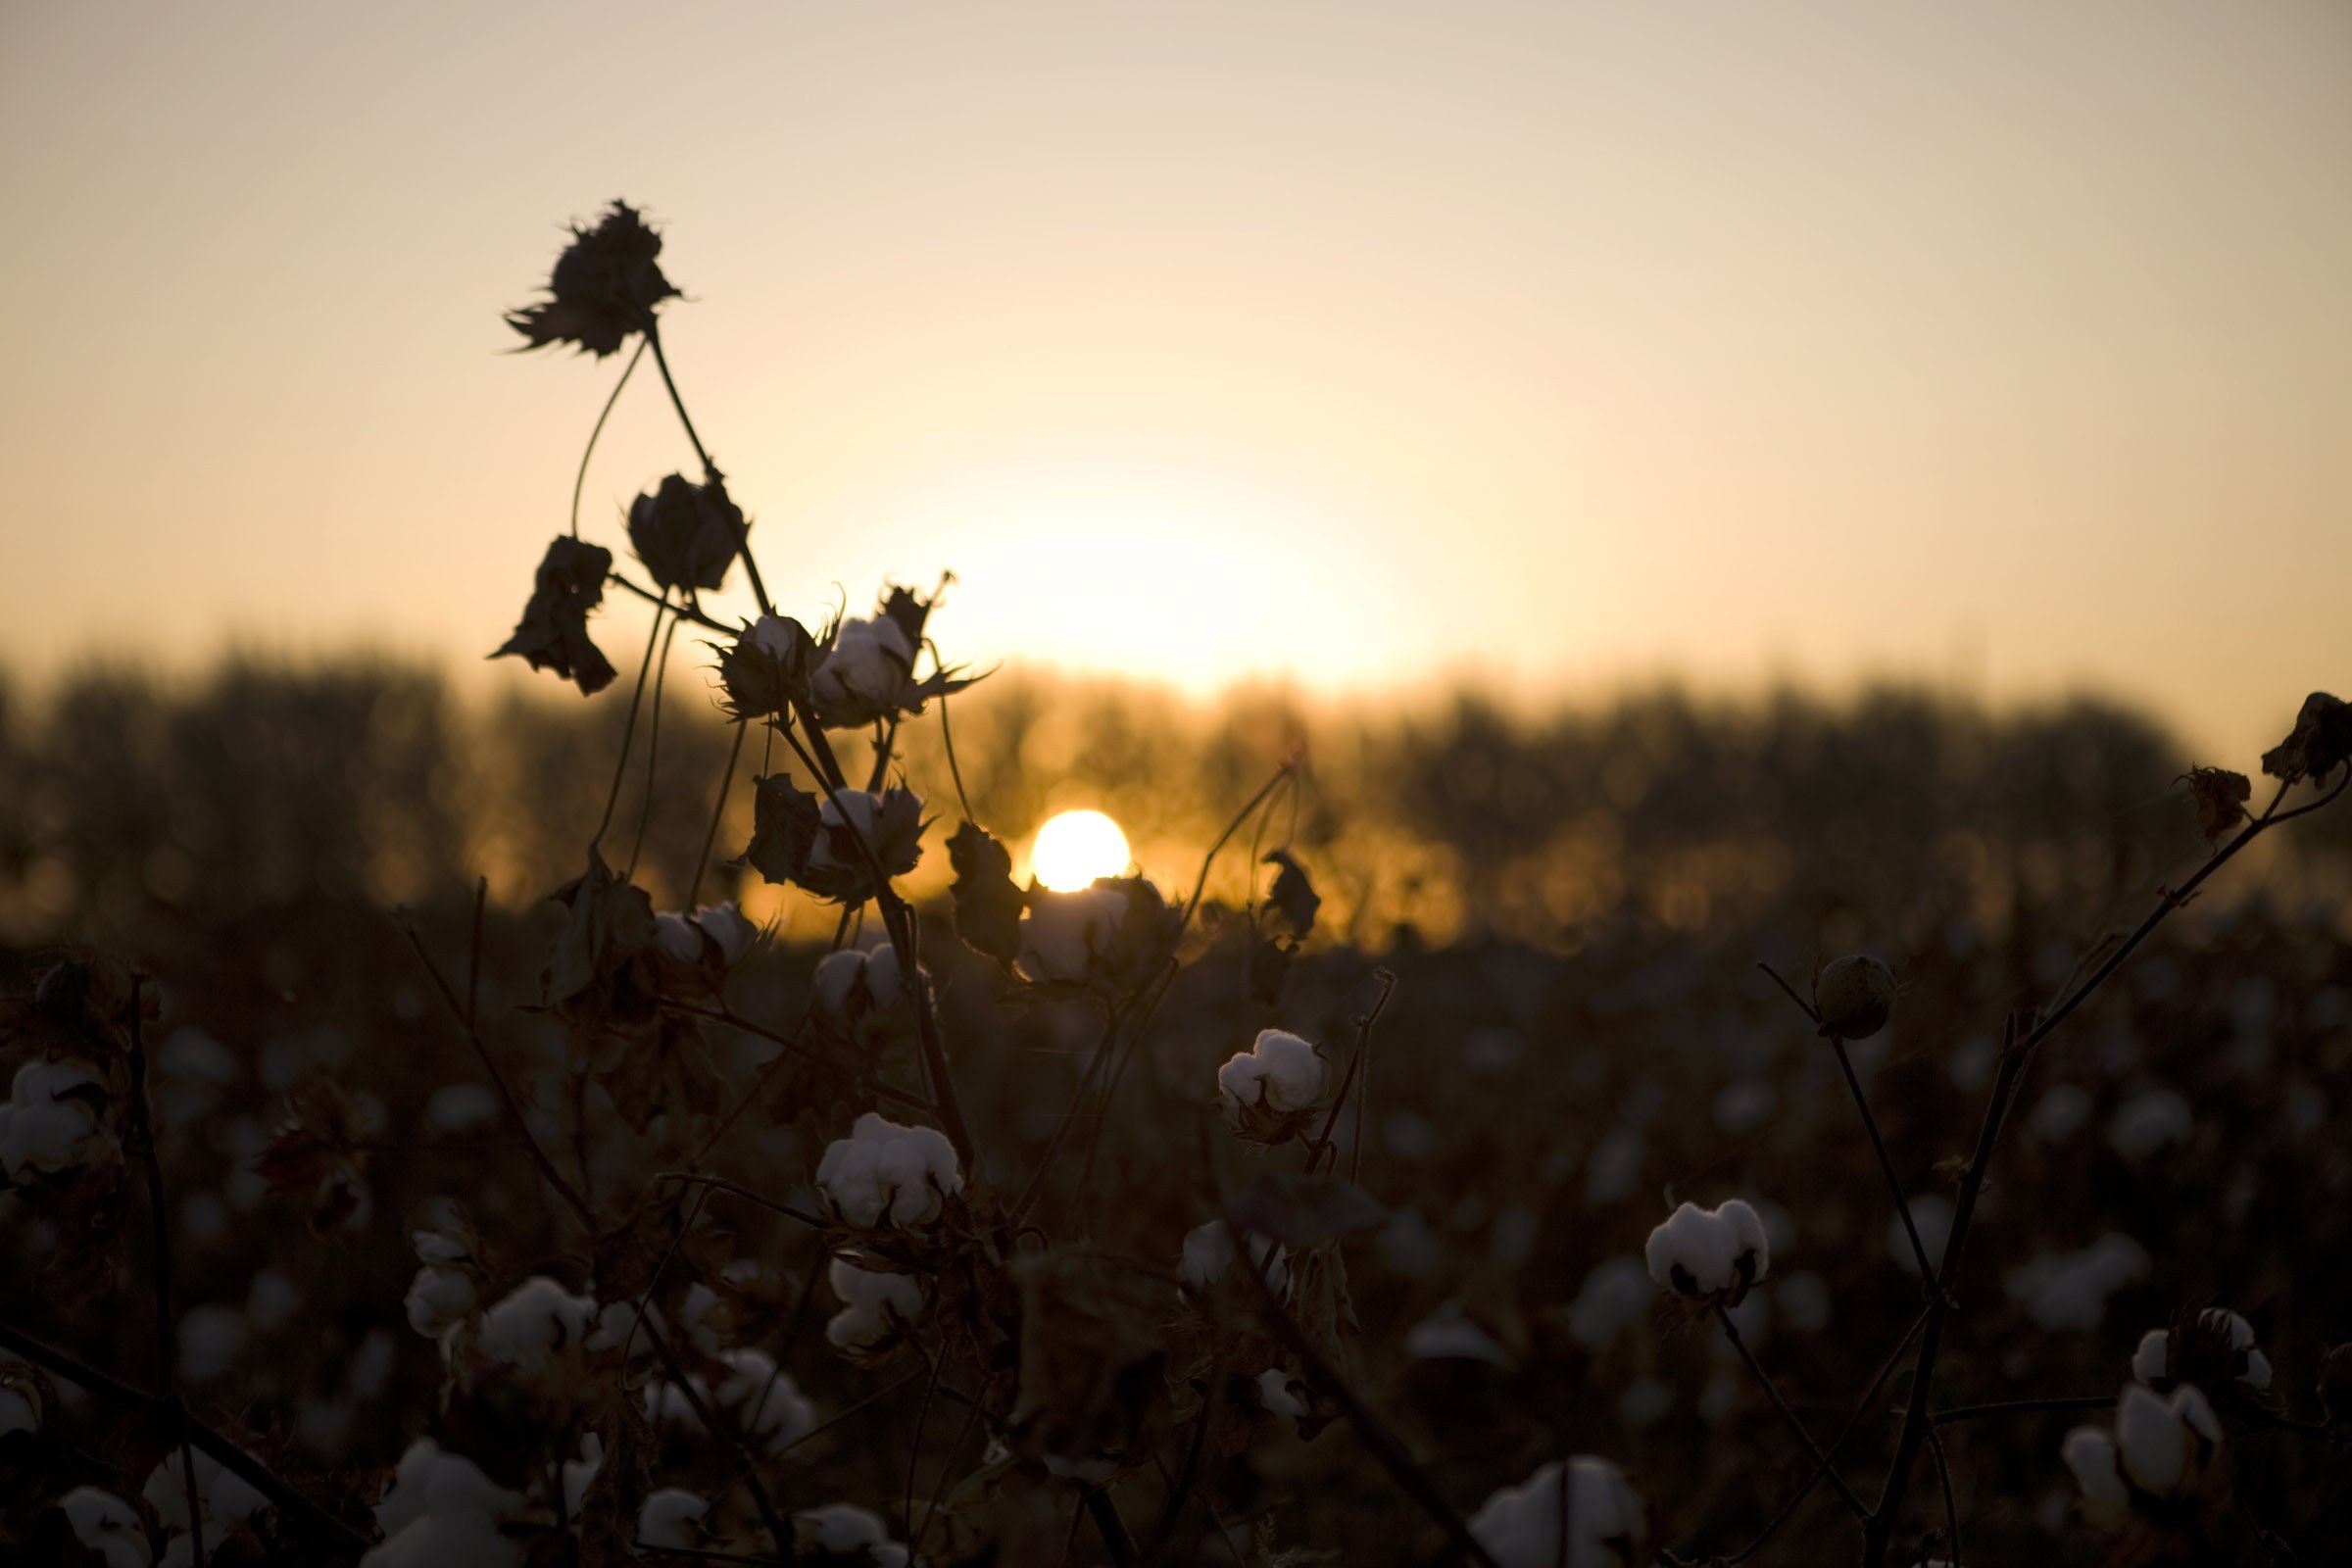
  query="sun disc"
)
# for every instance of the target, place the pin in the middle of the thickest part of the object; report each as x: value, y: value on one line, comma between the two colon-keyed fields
x: 1076, y: 846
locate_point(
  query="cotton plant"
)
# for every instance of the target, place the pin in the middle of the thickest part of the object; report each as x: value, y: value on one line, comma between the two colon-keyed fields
x: 1709, y: 1257
x: 1270, y: 1092
x: 1208, y: 1256
x: 1582, y: 1513
x: 2161, y: 1455
x: 887, y: 1176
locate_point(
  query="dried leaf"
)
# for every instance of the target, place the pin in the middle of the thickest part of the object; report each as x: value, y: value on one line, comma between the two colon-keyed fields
x: 988, y: 903
x: 2322, y: 739
x: 1294, y: 894
x: 2221, y: 797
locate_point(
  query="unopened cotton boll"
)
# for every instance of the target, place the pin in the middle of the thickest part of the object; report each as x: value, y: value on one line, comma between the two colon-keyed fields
x: 875, y: 1305
x: 667, y: 1518
x: 845, y: 1530
x: 885, y: 1172
x: 1704, y: 1253
x: 1854, y: 997
x: 1521, y: 1525
x: 1279, y: 1076
x: 107, y: 1524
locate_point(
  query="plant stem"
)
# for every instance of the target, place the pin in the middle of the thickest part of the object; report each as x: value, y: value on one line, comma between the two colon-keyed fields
x: 581, y: 480
x: 711, y: 473
x: 1731, y: 1332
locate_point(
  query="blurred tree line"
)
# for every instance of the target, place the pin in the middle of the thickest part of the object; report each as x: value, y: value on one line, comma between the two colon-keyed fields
x: 131, y: 804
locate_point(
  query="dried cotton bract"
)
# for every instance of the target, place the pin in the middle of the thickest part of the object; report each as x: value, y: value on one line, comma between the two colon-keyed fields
x: 1521, y: 1525
x: 1268, y: 1090
x: 1705, y: 1254
x: 886, y: 1175
x: 2159, y: 1451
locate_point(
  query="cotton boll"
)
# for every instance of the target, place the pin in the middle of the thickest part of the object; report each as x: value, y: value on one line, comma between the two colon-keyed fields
x: 1063, y: 934
x: 458, y: 1109
x: 885, y: 1171
x: 438, y: 1299
x: 668, y: 1517
x: 2152, y: 1441
x: 1704, y: 1252
x: 838, y: 974
x: 766, y: 1401
x: 428, y: 1482
x: 2257, y: 1374
x: 867, y: 667
x: 1854, y: 997
x: 211, y: 1339
x: 1615, y: 1166
x: 2059, y: 1114
x: 875, y: 1306
x: 845, y: 1530
x: 222, y: 1495
x: 50, y: 1121
x: 106, y: 1526
x: 704, y: 1318
x: 1521, y: 1526
x: 18, y: 1411
x: 452, y: 1541
x: 1268, y: 1091
x: 2091, y: 1453
x: 1274, y: 1392
x: 1451, y: 1336
x: 2070, y: 1290
x: 534, y: 1323
x: 579, y: 1473
x: 1745, y: 1106
x: 677, y: 938
x: 2152, y: 1356
x: 2150, y: 1120
x: 1209, y: 1253
x: 1612, y: 1297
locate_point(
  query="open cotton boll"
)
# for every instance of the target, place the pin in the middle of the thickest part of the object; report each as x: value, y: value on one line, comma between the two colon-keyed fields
x: 211, y: 1339
x: 107, y: 1524
x: 875, y: 1305
x: 867, y: 668
x: 1274, y: 1392
x: 1612, y: 1295
x: 2070, y: 1290
x: 667, y: 1517
x: 1521, y: 1525
x: 534, y: 1322
x: 18, y: 1411
x: 676, y: 936
x: 2091, y: 1453
x: 578, y: 1474
x: 447, y: 1540
x: 1263, y: 1087
x: 1209, y: 1253
x: 767, y: 1403
x: 438, y: 1299
x: 1063, y: 934
x: 224, y: 1495
x: 1451, y: 1336
x: 427, y: 1481
x: 845, y: 1530
x: 1700, y: 1251
x: 2163, y: 1444
x: 885, y: 1171
x: 50, y: 1120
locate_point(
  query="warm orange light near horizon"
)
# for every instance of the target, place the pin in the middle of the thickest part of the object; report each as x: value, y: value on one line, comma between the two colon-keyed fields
x: 1075, y: 848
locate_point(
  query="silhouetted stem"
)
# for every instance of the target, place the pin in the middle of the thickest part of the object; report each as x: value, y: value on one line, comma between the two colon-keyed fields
x: 581, y: 480
x: 711, y: 473
x: 1731, y: 1332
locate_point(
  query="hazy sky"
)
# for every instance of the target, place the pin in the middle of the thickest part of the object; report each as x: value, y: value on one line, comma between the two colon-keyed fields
x: 2005, y: 343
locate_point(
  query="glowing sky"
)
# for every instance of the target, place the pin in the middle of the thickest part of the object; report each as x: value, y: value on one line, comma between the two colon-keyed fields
x: 2007, y: 343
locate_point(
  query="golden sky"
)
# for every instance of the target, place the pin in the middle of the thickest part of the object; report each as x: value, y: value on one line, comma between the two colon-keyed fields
x: 2007, y: 344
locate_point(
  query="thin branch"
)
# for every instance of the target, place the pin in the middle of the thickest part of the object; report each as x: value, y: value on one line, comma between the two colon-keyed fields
x: 1115, y: 1539
x: 682, y: 612
x: 1731, y: 1332
x: 722, y: 1184
x: 1951, y: 1505
x: 1375, y: 1433
x: 581, y: 480
x: 628, y: 732
x: 718, y: 811
x: 653, y: 756
x: 1364, y: 1048
x: 506, y: 1090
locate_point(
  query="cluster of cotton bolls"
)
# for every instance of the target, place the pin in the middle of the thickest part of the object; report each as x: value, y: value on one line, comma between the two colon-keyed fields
x: 1267, y: 1089
x: 884, y: 1174
x: 1706, y: 1254
x: 1582, y: 1515
x: 2159, y: 1451
x: 50, y: 1121
x: 760, y: 1398
x: 228, y: 1506
x: 2213, y: 1346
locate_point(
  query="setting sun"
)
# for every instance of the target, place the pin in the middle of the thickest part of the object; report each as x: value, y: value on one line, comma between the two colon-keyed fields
x: 1077, y: 847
